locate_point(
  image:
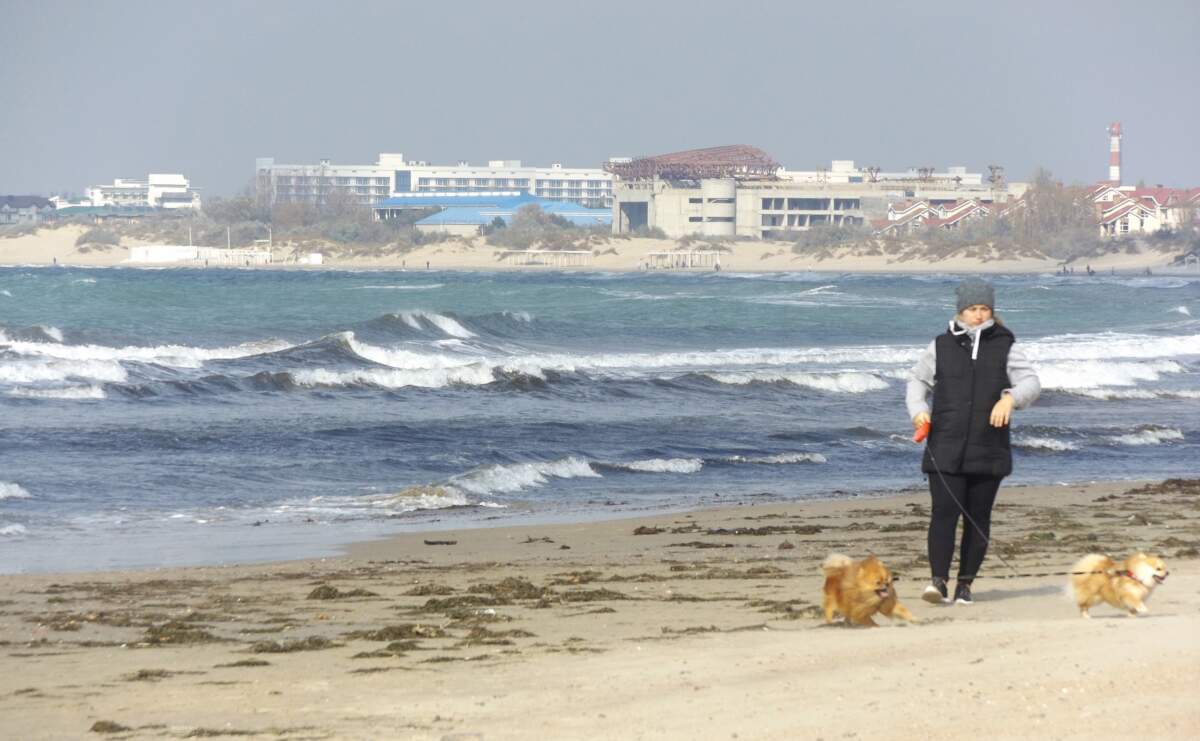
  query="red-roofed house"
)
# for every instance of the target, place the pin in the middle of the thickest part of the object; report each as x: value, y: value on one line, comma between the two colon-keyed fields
x: 1128, y: 215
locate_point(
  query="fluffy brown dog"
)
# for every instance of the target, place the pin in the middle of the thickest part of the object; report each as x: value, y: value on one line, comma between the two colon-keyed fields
x: 859, y: 589
x: 1125, y: 586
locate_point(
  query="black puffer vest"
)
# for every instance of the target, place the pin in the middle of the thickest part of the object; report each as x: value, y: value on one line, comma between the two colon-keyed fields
x: 964, y: 391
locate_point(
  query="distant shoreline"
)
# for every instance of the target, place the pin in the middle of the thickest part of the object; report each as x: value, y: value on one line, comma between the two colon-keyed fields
x: 49, y: 247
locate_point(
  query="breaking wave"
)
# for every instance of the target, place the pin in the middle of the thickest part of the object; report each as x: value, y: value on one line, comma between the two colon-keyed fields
x: 1149, y: 435
x: 1044, y: 443
x: 40, y: 371
x: 779, y: 459
x: 1108, y: 345
x: 513, y: 477
x: 663, y: 465
x: 476, y: 375
x: 12, y: 530
x: 9, y: 490
x: 421, y: 320
x: 837, y: 383
x: 1092, y: 374
x: 1105, y: 394
x: 69, y: 392
x: 180, y: 356
x: 411, y: 499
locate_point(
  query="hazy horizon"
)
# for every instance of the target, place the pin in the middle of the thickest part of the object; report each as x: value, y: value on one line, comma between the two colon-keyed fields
x: 103, y: 91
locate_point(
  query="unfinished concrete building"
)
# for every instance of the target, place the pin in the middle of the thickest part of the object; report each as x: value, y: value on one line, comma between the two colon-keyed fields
x: 740, y: 191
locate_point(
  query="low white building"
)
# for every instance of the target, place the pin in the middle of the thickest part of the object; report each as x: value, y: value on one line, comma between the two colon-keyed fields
x: 159, y: 254
x: 393, y: 175
x: 159, y: 190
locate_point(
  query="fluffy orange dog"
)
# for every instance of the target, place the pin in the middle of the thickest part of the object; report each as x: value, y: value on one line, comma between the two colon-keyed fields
x: 859, y: 589
x: 1125, y: 586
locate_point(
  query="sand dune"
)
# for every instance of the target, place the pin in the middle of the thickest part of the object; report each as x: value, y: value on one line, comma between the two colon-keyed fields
x: 57, y: 246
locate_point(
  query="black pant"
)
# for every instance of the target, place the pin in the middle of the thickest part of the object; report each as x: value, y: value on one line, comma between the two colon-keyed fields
x: 976, y: 494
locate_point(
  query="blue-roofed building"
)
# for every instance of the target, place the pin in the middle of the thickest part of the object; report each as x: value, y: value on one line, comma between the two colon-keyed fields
x: 464, y: 213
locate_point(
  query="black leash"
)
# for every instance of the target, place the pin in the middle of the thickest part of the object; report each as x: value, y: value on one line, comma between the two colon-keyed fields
x: 979, y: 530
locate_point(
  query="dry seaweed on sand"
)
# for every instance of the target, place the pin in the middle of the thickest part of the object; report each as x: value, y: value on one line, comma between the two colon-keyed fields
x: 311, y: 643
x: 466, y: 600
x: 571, y: 578
x: 766, y: 530
x: 401, y: 631
x: 511, y: 588
x: 153, y: 675
x: 647, y: 530
x: 429, y: 590
x: 325, y: 591
x: 108, y: 726
x: 174, y: 632
x: 589, y: 595
x: 700, y: 544
x: 242, y: 663
x: 481, y: 636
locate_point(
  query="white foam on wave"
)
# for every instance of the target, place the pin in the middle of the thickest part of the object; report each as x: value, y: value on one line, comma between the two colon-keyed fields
x: 1106, y: 394
x: 1149, y: 436
x: 406, y: 359
x: 471, y: 375
x: 837, y: 383
x: 1092, y: 374
x: 779, y: 459
x: 412, y: 499
x: 711, y: 360
x: 12, y: 530
x: 41, y: 371
x: 5, y: 292
x: 180, y: 356
x: 447, y: 325
x: 9, y: 490
x: 664, y: 465
x: 415, y: 287
x: 1182, y: 310
x: 512, y: 477
x: 85, y: 281
x: 1045, y: 443
x: 1110, y: 345
x: 68, y: 392
x: 52, y: 332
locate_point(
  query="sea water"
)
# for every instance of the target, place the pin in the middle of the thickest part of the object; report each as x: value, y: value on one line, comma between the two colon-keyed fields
x: 162, y: 417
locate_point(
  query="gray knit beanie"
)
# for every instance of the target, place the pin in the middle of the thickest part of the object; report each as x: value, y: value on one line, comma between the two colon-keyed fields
x: 975, y: 291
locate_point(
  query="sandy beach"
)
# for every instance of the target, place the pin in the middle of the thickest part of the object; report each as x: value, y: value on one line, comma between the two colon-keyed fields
x: 57, y: 246
x: 693, y: 625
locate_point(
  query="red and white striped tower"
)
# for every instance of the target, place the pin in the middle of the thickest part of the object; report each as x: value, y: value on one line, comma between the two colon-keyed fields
x: 1114, y: 153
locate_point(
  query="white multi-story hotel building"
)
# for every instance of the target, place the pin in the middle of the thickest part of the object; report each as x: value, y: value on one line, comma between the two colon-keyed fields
x: 392, y: 174
x: 158, y: 190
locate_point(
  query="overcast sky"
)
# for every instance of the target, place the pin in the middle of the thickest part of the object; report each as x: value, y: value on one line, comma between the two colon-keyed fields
x: 97, y: 90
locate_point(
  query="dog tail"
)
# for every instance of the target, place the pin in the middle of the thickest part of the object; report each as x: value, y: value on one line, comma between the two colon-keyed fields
x: 1090, y: 565
x: 834, y: 562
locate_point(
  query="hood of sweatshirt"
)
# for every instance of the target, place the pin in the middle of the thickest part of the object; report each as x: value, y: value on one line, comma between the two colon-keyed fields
x: 958, y: 329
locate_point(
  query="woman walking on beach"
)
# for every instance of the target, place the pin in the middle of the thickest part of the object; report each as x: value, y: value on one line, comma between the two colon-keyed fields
x: 977, y: 376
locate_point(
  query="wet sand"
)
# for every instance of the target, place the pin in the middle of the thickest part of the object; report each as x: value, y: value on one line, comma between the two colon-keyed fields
x: 697, y: 625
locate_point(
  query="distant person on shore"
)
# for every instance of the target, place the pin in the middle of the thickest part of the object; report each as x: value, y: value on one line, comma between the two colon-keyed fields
x: 977, y: 376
